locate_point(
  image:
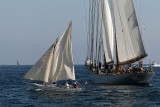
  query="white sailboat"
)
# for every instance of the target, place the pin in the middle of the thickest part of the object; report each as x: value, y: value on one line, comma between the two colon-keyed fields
x: 55, y: 65
x: 18, y: 63
x: 155, y: 64
x: 119, y: 38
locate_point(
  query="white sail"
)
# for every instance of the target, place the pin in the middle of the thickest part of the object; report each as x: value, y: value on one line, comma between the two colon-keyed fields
x: 40, y: 71
x: 129, y: 42
x: 56, y: 64
x: 62, y: 66
x: 107, y: 29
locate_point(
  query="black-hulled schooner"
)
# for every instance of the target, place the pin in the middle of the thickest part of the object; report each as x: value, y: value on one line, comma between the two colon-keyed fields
x: 115, y: 43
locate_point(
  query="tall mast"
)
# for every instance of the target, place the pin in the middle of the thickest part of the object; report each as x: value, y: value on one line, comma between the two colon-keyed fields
x: 116, y: 49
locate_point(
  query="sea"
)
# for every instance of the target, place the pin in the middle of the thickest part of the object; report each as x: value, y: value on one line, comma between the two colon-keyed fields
x: 14, y: 92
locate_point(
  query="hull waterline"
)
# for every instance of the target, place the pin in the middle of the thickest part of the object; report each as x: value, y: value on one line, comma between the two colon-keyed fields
x: 35, y: 86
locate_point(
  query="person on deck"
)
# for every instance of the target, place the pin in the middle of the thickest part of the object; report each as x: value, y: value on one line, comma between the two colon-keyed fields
x: 86, y: 84
x: 67, y: 85
x: 74, y: 85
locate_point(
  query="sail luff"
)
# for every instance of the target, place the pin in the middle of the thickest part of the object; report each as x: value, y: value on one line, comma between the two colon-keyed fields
x: 129, y: 41
x: 106, y: 29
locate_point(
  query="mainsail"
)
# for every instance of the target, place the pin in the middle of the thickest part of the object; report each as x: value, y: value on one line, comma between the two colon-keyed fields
x: 62, y: 66
x: 130, y: 47
x: 107, y: 29
x: 57, y: 63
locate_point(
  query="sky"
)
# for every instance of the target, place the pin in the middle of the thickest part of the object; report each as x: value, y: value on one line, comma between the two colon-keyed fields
x: 29, y: 27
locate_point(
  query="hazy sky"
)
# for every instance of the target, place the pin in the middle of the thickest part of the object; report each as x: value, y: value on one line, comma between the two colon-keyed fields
x: 29, y: 27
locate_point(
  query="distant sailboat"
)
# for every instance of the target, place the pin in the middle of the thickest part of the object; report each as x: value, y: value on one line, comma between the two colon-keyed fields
x: 17, y: 62
x: 153, y: 64
x: 55, y: 65
x: 116, y: 36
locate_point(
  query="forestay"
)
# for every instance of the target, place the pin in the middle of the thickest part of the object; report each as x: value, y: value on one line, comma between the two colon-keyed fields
x: 107, y: 29
x: 129, y: 42
x: 56, y: 64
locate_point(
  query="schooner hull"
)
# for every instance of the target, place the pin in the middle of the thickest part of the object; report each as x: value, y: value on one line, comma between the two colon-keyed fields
x: 122, y: 79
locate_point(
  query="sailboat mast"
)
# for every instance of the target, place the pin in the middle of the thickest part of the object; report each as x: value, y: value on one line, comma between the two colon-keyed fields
x: 92, y: 28
x: 116, y: 49
x: 97, y: 32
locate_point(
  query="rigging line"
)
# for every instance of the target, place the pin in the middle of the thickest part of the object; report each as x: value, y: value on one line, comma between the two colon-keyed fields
x: 99, y: 54
x: 94, y: 22
x: 86, y: 28
x: 97, y: 28
x: 93, y: 28
x: 101, y: 47
x: 116, y: 49
x: 89, y: 29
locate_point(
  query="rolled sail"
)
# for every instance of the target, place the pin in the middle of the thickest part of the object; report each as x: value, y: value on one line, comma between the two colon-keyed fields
x: 107, y: 30
x: 130, y: 47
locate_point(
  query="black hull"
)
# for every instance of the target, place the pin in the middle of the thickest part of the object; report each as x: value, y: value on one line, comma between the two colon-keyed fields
x: 122, y: 79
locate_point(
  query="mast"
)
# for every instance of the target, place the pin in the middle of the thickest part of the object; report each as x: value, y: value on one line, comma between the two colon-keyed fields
x: 93, y: 3
x: 117, y: 65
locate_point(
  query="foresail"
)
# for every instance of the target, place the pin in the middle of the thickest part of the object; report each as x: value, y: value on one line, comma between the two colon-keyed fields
x: 107, y: 29
x: 40, y: 71
x: 62, y: 65
x: 129, y: 41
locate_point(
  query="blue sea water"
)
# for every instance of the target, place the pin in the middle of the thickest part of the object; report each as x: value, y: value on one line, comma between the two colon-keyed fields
x: 14, y: 92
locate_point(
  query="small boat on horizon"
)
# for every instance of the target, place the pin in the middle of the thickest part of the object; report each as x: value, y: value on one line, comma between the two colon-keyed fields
x: 153, y: 64
x: 18, y: 63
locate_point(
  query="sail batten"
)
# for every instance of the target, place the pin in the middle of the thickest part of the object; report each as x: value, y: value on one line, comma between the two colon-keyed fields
x: 128, y: 38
